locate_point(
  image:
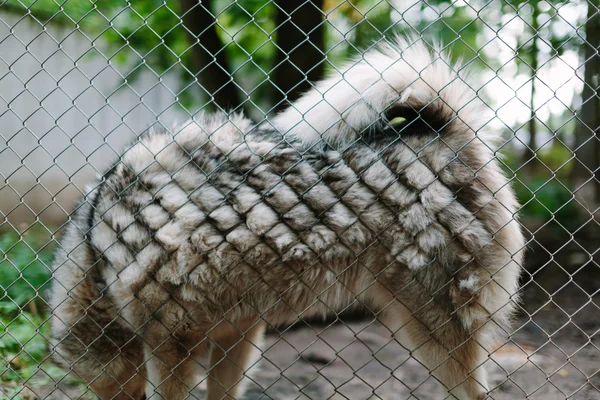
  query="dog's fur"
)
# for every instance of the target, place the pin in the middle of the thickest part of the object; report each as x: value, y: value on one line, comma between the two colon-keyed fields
x: 199, y: 238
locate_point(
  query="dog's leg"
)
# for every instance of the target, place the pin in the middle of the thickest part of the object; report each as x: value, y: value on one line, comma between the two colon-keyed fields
x: 132, y: 389
x: 233, y: 352
x: 171, y: 368
x: 454, y: 356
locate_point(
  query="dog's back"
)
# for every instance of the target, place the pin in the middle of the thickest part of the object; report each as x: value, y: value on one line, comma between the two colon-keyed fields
x: 201, y: 236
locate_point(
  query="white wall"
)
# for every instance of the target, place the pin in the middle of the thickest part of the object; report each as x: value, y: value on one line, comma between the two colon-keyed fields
x: 62, y: 116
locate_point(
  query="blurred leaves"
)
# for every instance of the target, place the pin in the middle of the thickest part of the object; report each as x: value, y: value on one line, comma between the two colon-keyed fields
x: 548, y: 193
x: 25, y: 275
x: 151, y: 33
x: 25, y: 267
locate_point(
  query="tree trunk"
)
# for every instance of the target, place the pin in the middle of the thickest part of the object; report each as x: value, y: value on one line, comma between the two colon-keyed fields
x: 529, y: 156
x: 300, y: 53
x: 587, y: 147
x: 208, y: 55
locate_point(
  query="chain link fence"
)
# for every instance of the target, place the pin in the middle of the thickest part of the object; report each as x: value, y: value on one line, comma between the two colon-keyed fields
x: 375, y: 241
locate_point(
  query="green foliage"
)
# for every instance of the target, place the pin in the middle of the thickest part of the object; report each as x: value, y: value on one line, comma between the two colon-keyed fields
x: 138, y: 36
x: 149, y: 35
x: 544, y: 199
x: 546, y: 192
x: 539, y: 19
x: 25, y: 266
x: 370, y: 21
x: 248, y: 31
x: 458, y: 28
x: 23, y: 344
x: 63, y: 12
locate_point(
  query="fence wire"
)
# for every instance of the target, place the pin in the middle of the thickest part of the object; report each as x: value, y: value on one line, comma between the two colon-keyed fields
x: 283, y: 199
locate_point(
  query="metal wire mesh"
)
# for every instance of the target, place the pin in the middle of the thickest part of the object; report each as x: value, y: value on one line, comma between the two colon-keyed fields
x: 81, y: 81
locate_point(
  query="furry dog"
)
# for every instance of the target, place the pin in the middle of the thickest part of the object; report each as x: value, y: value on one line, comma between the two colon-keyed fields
x: 377, y: 186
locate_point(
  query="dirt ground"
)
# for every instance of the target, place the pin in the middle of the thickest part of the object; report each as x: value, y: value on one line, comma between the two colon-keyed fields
x: 552, y: 353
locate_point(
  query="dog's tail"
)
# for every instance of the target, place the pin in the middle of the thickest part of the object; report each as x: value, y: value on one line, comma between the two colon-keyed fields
x: 404, y: 78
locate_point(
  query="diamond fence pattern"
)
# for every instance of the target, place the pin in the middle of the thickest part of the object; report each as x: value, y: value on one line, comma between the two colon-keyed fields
x: 354, y: 237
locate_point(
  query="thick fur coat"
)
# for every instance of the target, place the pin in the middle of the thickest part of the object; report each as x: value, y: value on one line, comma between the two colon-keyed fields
x: 376, y: 187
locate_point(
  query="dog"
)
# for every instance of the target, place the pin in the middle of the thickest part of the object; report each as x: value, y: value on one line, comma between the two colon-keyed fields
x: 378, y: 186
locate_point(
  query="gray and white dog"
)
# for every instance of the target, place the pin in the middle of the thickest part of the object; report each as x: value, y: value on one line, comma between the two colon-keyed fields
x: 199, y: 238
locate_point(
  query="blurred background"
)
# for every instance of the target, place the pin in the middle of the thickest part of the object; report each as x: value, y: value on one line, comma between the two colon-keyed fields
x: 79, y: 80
